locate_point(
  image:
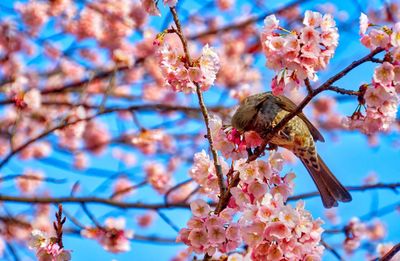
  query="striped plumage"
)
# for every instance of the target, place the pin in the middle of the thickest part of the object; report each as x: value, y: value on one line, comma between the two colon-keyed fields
x: 263, y: 111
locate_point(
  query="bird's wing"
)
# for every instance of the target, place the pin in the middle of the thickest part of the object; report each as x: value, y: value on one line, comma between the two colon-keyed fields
x: 286, y: 104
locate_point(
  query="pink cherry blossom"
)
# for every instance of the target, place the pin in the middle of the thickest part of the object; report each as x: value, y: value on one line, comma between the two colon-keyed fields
x: 30, y: 181
x: 113, y: 237
x: 145, y: 220
x: 158, y: 177
x: 312, y: 19
x: 198, y: 237
x: 270, y: 23
x: 216, y: 234
x: 225, y: 4
x: 150, y: 7
x: 53, y: 252
x: 277, y: 230
x: 384, y: 74
x: 364, y: 23
x: 34, y: 14
x: 81, y: 161
x: 46, y: 249
x: 209, y: 65
x: 200, y: 208
x: 170, y: 3
x: 32, y: 98
x: 395, y: 36
x: 96, y: 137
x: 379, y: 38
x: 292, y: 63
x: 122, y: 188
x: 180, y: 77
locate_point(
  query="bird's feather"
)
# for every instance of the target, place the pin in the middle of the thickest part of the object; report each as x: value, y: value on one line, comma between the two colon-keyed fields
x: 287, y: 105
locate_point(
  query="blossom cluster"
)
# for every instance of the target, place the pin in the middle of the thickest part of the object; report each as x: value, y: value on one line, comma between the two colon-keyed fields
x: 270, y: 228
x: 268, y: 225
x: 47, y: 247
x: 182, y: 78
x: 280, y: 231
x: 149, y: 141
x: 150, y: 6
x: 356, y: 231
x: 207, y: 233
x: 203, y: 173
x: 300, y: 54
x: 256, y: 178
x: 113, y: 236
x: 158, y: 177
x: 381, y: 97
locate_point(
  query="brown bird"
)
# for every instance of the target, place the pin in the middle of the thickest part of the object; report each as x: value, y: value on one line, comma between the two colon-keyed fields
x: 261, y: 112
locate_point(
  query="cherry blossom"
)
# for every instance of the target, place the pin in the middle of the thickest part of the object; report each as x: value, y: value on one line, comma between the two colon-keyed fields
x: 46, y: 248
x: 181, y: 77
x: 30, y: 181
x: 298, y: 55
x: 113, y: 236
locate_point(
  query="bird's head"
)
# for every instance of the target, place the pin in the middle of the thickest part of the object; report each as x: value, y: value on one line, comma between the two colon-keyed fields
x: 247, y: 111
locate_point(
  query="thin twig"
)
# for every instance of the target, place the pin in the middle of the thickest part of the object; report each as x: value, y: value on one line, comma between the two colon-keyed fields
x: 389, y: 255
x: 128, y: 189
x: 332, y: 250
x: 391, y: 186
x: 168, y: 221
x: 58, y: 226
x: 203, y: 108
x: 160, y: 107
x: 177, y: 186
x: 244, y: 23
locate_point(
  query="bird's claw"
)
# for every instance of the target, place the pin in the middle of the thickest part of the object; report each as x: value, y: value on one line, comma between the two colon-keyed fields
x: 271, y: 147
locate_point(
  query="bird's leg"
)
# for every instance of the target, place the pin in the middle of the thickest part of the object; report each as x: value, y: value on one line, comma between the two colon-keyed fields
x: 259, y: 150
x: 249, y: 152
x: 272, y: 147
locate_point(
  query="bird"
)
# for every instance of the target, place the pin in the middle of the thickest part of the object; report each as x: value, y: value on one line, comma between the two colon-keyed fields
x: 263, y: 111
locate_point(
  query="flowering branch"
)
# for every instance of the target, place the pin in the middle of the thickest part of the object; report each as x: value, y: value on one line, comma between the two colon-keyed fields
x: 325, y: 86
x: 128, y: 189
x: 161, y: 107
x: 203, y: 107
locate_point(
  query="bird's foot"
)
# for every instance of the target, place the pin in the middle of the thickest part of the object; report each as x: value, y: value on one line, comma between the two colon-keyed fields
x: 249, y: 152
x: 271, y: 147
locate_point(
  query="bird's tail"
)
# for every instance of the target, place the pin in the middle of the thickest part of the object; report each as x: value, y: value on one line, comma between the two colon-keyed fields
x: 329, y: 187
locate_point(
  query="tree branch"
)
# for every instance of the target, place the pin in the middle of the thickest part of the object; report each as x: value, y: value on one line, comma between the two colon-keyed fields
x: 389, y: 255
x: 391, y: 186
x: 160, y: 107
x: 217, y: 165
x: 90, y: 200
x: 244, y: 23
